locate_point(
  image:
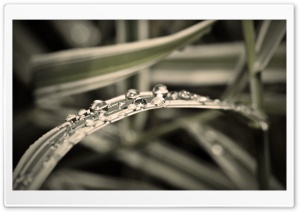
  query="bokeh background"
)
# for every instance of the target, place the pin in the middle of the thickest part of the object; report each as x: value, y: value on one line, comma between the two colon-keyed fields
x: 169, y: 156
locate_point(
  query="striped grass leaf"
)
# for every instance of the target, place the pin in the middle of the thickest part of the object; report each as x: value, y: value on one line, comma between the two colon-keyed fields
x: 69, y: 72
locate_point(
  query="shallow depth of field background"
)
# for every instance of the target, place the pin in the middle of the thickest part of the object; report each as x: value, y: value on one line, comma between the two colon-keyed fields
x: 174, y: 159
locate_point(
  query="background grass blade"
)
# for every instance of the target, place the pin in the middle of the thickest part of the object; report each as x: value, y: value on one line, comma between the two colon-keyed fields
x: 159, y: 170
x: 185, y: 162
x: 240, y: 177
x: 256, y: 91
x: 68, y: 179
x: 201, y: 70
x: 74, y: 71
x: 268, y: 42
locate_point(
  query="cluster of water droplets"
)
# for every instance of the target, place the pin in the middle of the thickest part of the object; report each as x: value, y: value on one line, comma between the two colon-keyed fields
x: 160, y: 92
x: 136, y: 101
x: 186, y: 95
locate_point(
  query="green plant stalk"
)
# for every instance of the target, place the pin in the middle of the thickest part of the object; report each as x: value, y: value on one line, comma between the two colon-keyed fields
x: 121, y: 86
x: 262, y: 147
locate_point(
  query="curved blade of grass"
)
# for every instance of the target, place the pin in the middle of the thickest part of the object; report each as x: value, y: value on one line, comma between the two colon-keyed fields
x: 104, y: 142
x: 74, y: 71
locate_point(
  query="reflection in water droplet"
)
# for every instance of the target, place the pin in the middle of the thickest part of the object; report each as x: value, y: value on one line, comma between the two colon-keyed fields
x: 217, y: 149
x: 99, y: 105
x: 140, y: 101
x: 160, y: 90
x: 158, y: 101
x: 132, y: 94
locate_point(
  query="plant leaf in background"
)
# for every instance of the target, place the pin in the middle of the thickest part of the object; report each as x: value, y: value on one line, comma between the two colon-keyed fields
x: 268, y: 40
x: 74, y: 71
x: 68, y: 179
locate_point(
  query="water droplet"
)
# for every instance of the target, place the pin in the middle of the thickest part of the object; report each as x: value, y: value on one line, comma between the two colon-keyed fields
x: 140, y: 103
x: 185, y: 94
x: 160, y: 90
x: 20, y: 179
x: 77, y: 136
x: 200, y: 98
x: 99, y: 114
x: 173, y: 95
x: 27, y: 181
x: 210, y: 135
x: 89, y: 123
x: 138, y: 107
x: 82, y: 112
x: 87, y: 129
x: 132, y: 94
x: 110, y: 118
x: 131, y: 107
x: 99, y: 105
x: 52, y: 143
x: 217, y: 101
x: 58, y: 156
x: 121, y: 105
x: 103, y: 118
x: 225, y: 102
x: 238, y: 108
x: 158, y: 101
x: 71, y: 117
x: 264, y: 125
x: 53, y: 148
x: 122, y: 114
x: 217, y: 149
x: 49, y: 161
x: 99, y: 123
